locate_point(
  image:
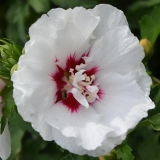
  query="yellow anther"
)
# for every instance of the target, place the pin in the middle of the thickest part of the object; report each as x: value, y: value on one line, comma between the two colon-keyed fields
x: 87, y: 78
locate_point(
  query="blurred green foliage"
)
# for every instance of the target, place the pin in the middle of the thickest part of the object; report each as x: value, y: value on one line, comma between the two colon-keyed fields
x: 16, y: 16
x: 150, y: 25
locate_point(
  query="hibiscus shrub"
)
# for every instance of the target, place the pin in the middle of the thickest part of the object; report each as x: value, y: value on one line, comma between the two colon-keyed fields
x: 84, y: 81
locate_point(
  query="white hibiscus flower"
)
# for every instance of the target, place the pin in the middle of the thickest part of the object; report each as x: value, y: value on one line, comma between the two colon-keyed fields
x: 5, y: 142
x: 81, y: 82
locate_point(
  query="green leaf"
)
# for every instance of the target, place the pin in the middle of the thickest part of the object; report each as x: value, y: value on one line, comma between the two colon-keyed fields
x: 39, y: 5
x: 16, y: 28
x: 154, y: 114
x: 33, y: 147
x: 74, y: 3
x: 85, y: 157
x: 77, y: 157
x: 155, y: 122
x: 5, y: 90
x: 17, y: 121
x: 4, y: 73
x: 155, y: 96
x: 124, y: 152
x: 148, y: 148
x: 8, y: 109
x: 42, y: 157
x: 143, y: 4
x: 150, y: 25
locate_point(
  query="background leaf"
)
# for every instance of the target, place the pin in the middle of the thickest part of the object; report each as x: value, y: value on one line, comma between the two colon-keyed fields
x: 39, y: 5
x: 155, y: 122
x: 74, y: 3
x: 17, y: 22
x: 155, y: 96
x: 77, y: 157
x: 150, y: 25
x: 8, y: 109
x: 124, y: 152
x: 17, y: 121
x: 143, y: 4
x: 145, y: 143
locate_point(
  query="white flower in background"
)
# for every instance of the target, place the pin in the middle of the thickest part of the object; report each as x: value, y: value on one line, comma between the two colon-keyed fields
x: 5, y: 142
x: 81, y: 81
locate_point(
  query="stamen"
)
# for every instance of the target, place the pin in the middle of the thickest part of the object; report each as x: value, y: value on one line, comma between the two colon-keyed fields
x: 80, y: 84
x: 92, y: 78
x: 84, y: 87
x: 71, y: 71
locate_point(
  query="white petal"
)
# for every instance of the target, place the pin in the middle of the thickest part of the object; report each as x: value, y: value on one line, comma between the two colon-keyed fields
x: 33, y: 80
x: 56, y: 18
x: 118, y: 51
x: 79, y: 97
x: 65, y: 133
x: 123, y: 102
x: 72, y: 146
x: 59, y: 19
x: 144, y: 80
x: 5, y: 144
x: 82, y: 125
x: 41, y: 126
x: 87, y: 59
x: 110, y: 18
x: 75, y: 16
x: 46, y: 26
x: 67, y: 42
x: 84, y: 21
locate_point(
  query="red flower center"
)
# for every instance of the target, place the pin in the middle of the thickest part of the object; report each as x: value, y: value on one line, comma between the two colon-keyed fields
x: 75, y: 76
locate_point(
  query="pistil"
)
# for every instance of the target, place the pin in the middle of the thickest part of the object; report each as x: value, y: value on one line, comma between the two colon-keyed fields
x: 76, y: 83
x: 85, y: 89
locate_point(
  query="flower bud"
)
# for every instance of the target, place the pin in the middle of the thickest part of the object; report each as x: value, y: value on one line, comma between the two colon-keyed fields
x: 110, y: 156
x: 12, y: 61
x: 148, y: 47
x: 3, y: 53
x: 10, y: 53
x: 23, y: 51
x: 14, y: 68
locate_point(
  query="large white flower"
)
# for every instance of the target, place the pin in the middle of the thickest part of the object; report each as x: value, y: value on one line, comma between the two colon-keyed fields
x: 5, y: 142
x: 81, y: 81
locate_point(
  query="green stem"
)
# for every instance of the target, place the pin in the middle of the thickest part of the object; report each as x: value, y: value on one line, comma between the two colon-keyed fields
x: 156, y: 80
